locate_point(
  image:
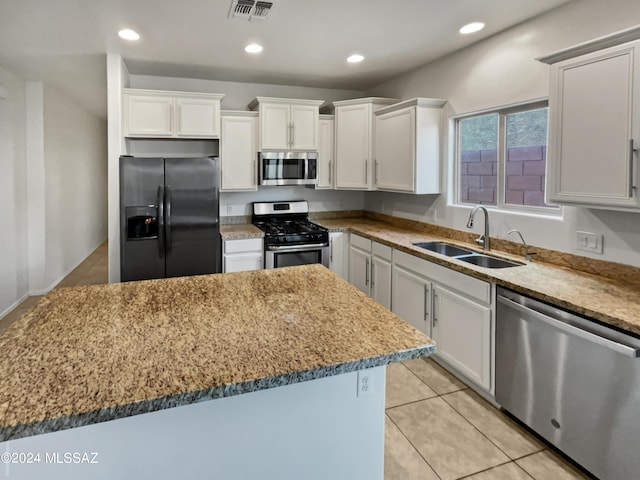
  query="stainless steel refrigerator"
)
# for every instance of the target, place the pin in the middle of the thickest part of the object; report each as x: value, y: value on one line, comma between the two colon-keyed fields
x: 169, y: 220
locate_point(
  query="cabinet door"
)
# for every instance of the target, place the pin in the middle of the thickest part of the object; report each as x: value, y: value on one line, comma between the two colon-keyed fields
x: 198, y: 117
x: 594, y: 110
x: 338, y: 260
x: 242, y: 262
x: 462, y: 331
x: 394, y: 167
x: 359, y: 269
x: 238, y: 153
x: 148, y: 116
x: 411, y: 298
x: 325, y: 153
x: 274, y: 126
x: 381, y: 280
x: 353, y: 156
x: 304, y: 127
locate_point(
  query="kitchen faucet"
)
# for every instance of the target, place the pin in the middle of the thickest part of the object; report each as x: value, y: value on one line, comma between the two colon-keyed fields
x: 484, y: 238
x: 527, y: 255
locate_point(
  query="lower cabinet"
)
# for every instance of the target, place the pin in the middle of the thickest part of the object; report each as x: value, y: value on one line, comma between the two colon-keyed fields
x: 242, y: 255
x: 338, y: 257
x: 462, y: 330
x: 456, y: 310
x: 370, y: 268
x: 411, y: 298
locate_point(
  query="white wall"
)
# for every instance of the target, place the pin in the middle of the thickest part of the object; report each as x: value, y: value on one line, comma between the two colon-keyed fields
x: 75, y: 144
x: 14, y: 270
x: 502, y: 70
x: 238, y: 95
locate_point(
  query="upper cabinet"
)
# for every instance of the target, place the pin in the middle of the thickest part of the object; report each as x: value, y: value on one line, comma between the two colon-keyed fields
x: 287, y: 124
x: 326, y: 161
x: 166, y: 114
x: 594, y: 123
x: 407, y: 146
x: 239, y: 151
x: 354, y: 142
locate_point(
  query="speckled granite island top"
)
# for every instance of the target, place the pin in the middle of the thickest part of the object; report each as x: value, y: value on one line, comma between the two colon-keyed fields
x: 614, y: 302
x: 89, y: 354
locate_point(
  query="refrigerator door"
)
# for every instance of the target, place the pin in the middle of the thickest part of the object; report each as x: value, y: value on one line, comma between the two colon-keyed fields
x: 141, y: 218
x: 192, y: 234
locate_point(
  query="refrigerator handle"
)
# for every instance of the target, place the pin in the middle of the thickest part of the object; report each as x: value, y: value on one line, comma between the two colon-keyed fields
x: 168, y: 217
x: 160, y: 221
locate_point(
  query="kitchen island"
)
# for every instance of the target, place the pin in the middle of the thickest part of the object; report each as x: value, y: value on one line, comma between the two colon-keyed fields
x: 266, y: 374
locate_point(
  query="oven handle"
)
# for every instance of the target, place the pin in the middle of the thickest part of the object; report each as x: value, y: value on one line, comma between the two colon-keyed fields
x: 308, y: 246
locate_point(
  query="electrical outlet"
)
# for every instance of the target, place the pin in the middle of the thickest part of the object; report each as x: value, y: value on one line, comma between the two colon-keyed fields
x: 365, y: 383
x: 235, y: 209
x: 589, y: 242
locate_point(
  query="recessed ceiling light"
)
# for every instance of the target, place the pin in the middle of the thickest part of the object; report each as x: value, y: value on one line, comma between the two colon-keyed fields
x: 253, y: 48
x: 355, y: 58
x: 472, y: 27
x: 129, y: 34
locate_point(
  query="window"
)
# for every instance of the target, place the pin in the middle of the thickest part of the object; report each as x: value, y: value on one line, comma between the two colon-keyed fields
x: 501, y: 158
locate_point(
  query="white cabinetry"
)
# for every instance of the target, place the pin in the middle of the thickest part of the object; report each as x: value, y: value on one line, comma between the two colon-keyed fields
x: 354, y: 142
x: 370, y: 268
x: 455, y: 309
x: 407, y: 146
x: 338, y: 254
x: 166, y: 114
x: 594, y: 120
x: 326, y: 162
x: 287, y: 124
x: 242, y: 255
x: 238, y: 151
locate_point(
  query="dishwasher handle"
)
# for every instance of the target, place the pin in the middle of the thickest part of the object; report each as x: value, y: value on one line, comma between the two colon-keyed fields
x: 561, y: 325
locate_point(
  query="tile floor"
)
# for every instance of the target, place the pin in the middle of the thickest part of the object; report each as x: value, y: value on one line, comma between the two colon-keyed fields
x: 436, y: 428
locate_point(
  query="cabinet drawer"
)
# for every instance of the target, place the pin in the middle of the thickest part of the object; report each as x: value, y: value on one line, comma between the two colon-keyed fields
x: 465, y: 284
x: 360, y: 242
x: 381, y: 250
x: 244, y: 245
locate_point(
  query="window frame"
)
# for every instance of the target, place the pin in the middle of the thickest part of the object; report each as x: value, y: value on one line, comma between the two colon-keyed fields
x: 501, y: 153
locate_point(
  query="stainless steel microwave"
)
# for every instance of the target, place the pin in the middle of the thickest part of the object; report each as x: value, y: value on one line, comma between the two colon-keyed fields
x: 288, y: 168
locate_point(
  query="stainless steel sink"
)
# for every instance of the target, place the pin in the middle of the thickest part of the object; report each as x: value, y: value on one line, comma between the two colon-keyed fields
x: 469, y: 256
x: 487, y: 261
x: 444, y: 248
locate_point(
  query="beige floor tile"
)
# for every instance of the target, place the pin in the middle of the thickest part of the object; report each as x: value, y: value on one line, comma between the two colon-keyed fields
x: 437, y: 378
x: 546, y: 465
x: 401, y: 460
x: 450, y: 444
x: 510, y: 437
x: 404, y: 387
x: 509, y: 471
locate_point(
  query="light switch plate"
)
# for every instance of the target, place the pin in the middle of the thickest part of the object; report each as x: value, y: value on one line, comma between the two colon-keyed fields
x: 589, y: 242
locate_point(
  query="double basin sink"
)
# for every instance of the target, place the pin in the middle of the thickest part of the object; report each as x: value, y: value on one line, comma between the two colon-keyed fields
x: 469, y: 256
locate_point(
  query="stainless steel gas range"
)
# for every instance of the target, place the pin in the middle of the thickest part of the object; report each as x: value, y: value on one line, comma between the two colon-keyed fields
x: 289, y: 237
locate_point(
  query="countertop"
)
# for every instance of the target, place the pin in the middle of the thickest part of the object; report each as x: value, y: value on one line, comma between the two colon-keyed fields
x: 240, y: 231
x: 610, y: 301
x: 89, y: 354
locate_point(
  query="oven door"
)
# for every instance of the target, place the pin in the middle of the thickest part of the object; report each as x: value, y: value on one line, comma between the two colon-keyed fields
x: 289, y: 256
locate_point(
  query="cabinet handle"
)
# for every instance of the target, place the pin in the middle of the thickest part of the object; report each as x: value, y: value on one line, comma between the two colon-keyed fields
x: 293, y: 135
x: 631, y: 157
x: 372, y: 274
x: 366, y: 272
x: 435, y: 309
x: 330, y: 172
x: 375, y: 171
x: 331, y: 251
x: 366, y: 170
x: 426, y: 303
x: 255, y: 172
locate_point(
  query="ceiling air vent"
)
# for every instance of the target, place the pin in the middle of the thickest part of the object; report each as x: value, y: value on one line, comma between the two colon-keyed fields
x: 250, y: 9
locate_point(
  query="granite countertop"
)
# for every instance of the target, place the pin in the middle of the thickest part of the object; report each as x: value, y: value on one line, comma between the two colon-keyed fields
x: 89, y: 354
x: 611, y: 301
x: 240, y: 231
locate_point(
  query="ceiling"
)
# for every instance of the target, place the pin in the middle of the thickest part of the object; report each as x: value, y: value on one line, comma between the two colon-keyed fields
x: 63, y: 42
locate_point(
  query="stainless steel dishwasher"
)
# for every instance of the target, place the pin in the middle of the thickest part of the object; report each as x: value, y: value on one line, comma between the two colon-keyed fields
x: 573, y: 381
